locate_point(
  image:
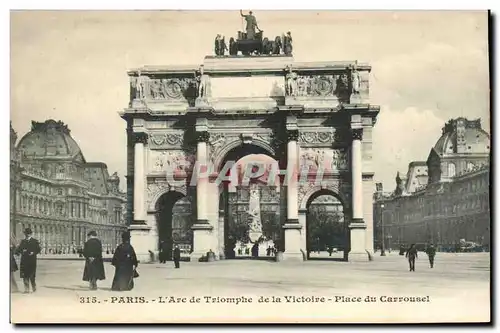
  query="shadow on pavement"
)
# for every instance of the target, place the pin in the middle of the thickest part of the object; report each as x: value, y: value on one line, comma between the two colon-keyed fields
x: 75, y: 288
x: 326, y: 259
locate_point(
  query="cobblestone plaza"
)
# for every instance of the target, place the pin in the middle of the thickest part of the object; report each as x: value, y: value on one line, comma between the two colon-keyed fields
x: 458, y: 282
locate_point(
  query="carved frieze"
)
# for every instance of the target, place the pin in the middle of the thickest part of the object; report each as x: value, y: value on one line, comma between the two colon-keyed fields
x: 171, y: 161
x: 166, y: 140
x: 330, y: 160
x: 324, y: 85
x: 175, y: 89
x: 317, y: 137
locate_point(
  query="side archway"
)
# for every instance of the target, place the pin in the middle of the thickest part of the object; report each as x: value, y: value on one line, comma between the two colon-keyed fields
x: 174, y: 219
x: 326, y: 232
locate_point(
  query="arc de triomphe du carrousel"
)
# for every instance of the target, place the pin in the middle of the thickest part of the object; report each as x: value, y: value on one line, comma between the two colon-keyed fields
x: 204, y: 140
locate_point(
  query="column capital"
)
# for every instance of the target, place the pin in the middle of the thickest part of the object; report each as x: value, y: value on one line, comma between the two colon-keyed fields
x: 202, y: 136
x: 139, y: 137
x: 357, y: 133
x: 292, y: 135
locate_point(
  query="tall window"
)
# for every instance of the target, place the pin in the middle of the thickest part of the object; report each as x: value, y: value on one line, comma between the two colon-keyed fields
x: 451, y: 170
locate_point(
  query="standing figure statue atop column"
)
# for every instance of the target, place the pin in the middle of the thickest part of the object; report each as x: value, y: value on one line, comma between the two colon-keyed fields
x: 251, y: 24
x: 203, y: 81
x: 355, y: 79
x: 291, y: 82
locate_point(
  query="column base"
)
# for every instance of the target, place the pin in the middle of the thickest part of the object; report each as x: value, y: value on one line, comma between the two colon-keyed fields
x: 202, y: 240
x: 292, y: 241
x: 292, y: 256
x: 141, y: 240
x: 359, y: 257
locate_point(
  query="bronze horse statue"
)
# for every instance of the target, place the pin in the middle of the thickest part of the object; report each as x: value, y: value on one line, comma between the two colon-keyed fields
x: 271, y: 47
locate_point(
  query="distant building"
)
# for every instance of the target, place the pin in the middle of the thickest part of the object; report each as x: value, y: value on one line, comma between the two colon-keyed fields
x: 445, y: 200
x: 59, y: 195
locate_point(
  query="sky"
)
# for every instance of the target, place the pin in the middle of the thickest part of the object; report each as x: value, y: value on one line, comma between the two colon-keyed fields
x: 427, y: 67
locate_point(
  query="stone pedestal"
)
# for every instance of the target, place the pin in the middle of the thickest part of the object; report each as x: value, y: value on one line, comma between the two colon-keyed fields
x: 201, y: 102
x: 141, y: 240
x: 292, y: 241
x: 202, y: 240
x: 358, y: 251
x: 356, y: 98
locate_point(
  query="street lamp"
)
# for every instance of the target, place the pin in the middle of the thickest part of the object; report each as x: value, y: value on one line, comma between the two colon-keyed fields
x: 382, y: 252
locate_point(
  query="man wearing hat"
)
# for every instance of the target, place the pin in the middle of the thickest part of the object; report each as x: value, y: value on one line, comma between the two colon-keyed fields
x: 28, y: 249
x: 94, y: 266
x: 125, y: 262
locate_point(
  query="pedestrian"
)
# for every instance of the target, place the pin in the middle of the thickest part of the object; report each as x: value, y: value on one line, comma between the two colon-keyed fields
x: 94, y: 265
x: 28, y: 249
x: 163, y: 252
x: 177, y: 256
x: 13, y: 267
x: 402, y: 250
x: 431, y: 252
x: 411, y: 254
x: 125, y: 262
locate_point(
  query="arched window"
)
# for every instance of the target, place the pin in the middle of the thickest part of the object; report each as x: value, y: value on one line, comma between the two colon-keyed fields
x: 451, y: 170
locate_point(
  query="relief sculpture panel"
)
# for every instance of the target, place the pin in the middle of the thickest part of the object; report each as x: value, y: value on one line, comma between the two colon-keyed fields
x: 176, y: 161
x: 157, y: 88
x: 330, y: 160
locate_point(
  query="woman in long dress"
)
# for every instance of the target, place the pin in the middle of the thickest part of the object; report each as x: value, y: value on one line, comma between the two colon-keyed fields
x: 125, y: 262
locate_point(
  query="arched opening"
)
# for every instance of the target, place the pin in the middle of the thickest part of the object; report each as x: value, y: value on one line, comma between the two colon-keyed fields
x: 174, y: 220
x: 251, y: 206
x: 327, y: 235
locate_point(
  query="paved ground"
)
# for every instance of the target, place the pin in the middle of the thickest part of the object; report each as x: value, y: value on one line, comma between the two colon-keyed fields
x: 457, y: 289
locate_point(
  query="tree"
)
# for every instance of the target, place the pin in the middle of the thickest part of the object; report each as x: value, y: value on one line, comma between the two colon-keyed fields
x: 325, y: 228
x: 239, y: 229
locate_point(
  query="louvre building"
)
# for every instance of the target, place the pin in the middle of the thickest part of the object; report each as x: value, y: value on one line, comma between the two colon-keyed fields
x: 444, y: 200
x: 59, y: 195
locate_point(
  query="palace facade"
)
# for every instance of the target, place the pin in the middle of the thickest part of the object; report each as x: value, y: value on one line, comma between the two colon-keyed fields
x: 59, y: 195
x: 445, y: 200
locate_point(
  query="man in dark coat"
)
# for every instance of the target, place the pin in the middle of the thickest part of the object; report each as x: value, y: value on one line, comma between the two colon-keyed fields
x: 177, y: 256
x: 28, y: 249
x: 13, y: 268
x: 163, y: 252
x: 411, y: 254
x: 431, y: 252
x: 125, y: 262
x: 94, y: 265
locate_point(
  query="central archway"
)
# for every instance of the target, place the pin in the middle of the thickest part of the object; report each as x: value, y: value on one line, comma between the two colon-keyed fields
x: 327, y: 235
x: 250, y: 207
x: 174, y: 220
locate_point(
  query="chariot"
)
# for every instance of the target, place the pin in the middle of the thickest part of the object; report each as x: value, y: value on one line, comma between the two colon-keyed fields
x: 257, y: 45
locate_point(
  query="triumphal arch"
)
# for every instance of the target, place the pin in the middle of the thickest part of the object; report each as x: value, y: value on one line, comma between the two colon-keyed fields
x: 190, y: 127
